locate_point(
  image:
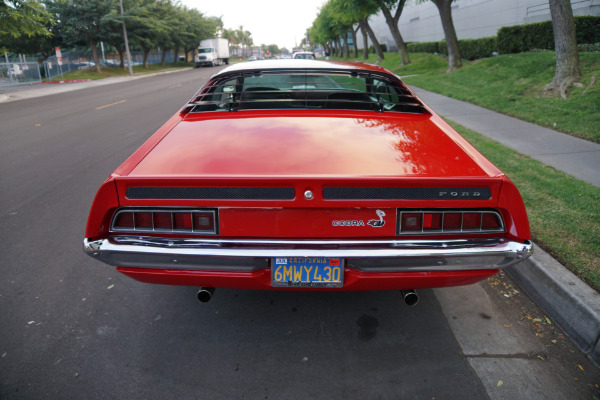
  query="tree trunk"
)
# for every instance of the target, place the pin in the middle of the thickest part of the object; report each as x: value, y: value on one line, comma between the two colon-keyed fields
x: 146, y: 52
x: 392, y: 22
x: 365, y: 42
x: 121, y: 56
x: 365, y: 24
x: 355, y: 45
x: 346, y: 48
x: 163, y: 56
x: 175, y: 58
x: 454, y: 57
x: 95, y: 54
x: 565, y: 44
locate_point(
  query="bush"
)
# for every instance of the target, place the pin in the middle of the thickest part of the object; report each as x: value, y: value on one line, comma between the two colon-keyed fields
x: 424, y: 47
x: 470, y: 49
x: 522, y: 38
x: 382, y: 45
x: 474, y: 49
x: 589, y: 47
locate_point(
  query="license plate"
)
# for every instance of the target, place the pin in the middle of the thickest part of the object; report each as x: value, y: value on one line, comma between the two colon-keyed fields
x: 307, y: 272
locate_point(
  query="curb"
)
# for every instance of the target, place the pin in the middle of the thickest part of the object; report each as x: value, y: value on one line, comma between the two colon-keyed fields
x: 63, y: 81
x: 567, y: 300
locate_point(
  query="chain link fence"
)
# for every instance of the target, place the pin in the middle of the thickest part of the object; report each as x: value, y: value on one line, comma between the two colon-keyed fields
x: 17, y: 73
x: 73, y: 61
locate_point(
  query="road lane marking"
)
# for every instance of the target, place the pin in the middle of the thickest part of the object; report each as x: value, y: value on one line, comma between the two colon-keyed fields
x: 174, y: 86
x: 112, y: 104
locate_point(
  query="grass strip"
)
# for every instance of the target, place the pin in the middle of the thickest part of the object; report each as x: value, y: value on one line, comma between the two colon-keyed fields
x: 108, y: 72
x: 564, y: 213
x: 513, y: 84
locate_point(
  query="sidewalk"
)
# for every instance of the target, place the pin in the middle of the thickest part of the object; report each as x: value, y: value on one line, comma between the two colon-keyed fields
x: 29, y: 91
x: 573, y: 305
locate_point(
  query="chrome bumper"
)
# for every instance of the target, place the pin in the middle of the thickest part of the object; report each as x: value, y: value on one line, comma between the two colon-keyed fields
x: 364, y: 255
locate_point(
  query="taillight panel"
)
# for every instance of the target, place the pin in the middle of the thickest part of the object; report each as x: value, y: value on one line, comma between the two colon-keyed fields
x: 169, y: 221
x: 451, y: 221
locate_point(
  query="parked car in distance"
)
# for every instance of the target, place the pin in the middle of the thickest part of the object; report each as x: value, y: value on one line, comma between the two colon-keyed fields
x: 307, y: 175
x: 304, y: 55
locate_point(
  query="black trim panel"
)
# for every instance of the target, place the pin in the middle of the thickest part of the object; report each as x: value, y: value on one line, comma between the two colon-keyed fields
x: 406, y: 193
x: 220, y: 193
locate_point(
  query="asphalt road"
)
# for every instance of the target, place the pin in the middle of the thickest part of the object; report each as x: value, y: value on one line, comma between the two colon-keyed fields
x: 73, y: 328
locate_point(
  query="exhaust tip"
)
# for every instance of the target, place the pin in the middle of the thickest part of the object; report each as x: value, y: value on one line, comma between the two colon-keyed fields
x: 205, y: 294
x: 410, y: 297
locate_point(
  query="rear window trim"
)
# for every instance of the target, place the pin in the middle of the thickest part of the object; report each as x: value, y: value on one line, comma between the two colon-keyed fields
x: 410, y: 104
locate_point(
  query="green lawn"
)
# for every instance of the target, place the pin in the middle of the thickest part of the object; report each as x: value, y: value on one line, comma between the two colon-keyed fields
x: 512, y: 84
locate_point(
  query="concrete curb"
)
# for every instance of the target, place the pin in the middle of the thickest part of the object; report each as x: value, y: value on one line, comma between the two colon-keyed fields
x: 567, y: 300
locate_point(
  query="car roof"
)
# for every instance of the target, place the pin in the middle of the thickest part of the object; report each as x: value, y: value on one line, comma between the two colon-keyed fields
x: 296, y: 64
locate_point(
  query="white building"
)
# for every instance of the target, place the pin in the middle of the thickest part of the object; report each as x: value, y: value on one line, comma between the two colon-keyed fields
x: 473, y: 19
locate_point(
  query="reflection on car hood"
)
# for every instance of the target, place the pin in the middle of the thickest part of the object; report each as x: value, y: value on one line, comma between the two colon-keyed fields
x: 308, y: 146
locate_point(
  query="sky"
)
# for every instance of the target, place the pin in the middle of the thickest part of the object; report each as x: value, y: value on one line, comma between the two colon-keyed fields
x: 280, y: 22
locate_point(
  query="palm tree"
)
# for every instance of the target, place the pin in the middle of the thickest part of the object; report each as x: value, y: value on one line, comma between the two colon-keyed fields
x: 244, y: 38
x: 231, y: 37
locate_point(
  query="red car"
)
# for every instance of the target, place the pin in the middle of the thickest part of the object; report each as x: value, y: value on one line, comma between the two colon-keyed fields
x: 307, y: 175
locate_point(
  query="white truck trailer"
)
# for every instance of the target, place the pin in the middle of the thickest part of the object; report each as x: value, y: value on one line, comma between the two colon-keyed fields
x: 212, y: 52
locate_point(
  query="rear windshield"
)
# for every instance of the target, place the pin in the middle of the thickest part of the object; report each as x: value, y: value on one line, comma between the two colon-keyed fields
x: 306, y: 90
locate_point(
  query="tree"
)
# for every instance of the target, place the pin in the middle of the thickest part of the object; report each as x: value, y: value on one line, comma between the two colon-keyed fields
x: 244, y: 38
x: 445, y: 11
x: 84, y: 21
x: 565, y: 43
x: 386, y: 7
x: 23, y: 18
x: 231, y: 37
x: 359, y: 11
x: 353, y: 31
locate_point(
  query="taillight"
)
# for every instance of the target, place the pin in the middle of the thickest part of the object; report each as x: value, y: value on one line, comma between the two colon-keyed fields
x: 165, y: 221
x: 449, y: 221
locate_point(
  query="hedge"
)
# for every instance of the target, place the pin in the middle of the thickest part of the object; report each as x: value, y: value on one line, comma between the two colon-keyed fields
x: 470, y: 49
x: 520, y: 38
x: 516, y: 39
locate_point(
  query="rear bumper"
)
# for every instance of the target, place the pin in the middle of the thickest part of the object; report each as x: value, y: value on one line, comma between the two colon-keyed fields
x: 254, y: 255
x: 353, y: 279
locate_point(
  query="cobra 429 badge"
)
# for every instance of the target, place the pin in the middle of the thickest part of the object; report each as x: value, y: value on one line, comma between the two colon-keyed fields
x: 375, y: 223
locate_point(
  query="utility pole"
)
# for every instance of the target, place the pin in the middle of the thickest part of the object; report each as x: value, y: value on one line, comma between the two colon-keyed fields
x: 126, y: 43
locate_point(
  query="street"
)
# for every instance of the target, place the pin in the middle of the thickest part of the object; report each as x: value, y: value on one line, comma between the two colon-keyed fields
x: 72, y: 327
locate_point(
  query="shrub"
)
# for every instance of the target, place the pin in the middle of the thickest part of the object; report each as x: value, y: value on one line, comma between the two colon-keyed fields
x: 589, y: 47
x: 382, y: 45
x: 539, y: 35
x: 470, y: 49
x: 474, y: 49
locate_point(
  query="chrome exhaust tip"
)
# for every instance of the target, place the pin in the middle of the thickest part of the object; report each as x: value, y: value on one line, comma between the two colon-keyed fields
x: 410, y: 297
x: 205, y: 294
